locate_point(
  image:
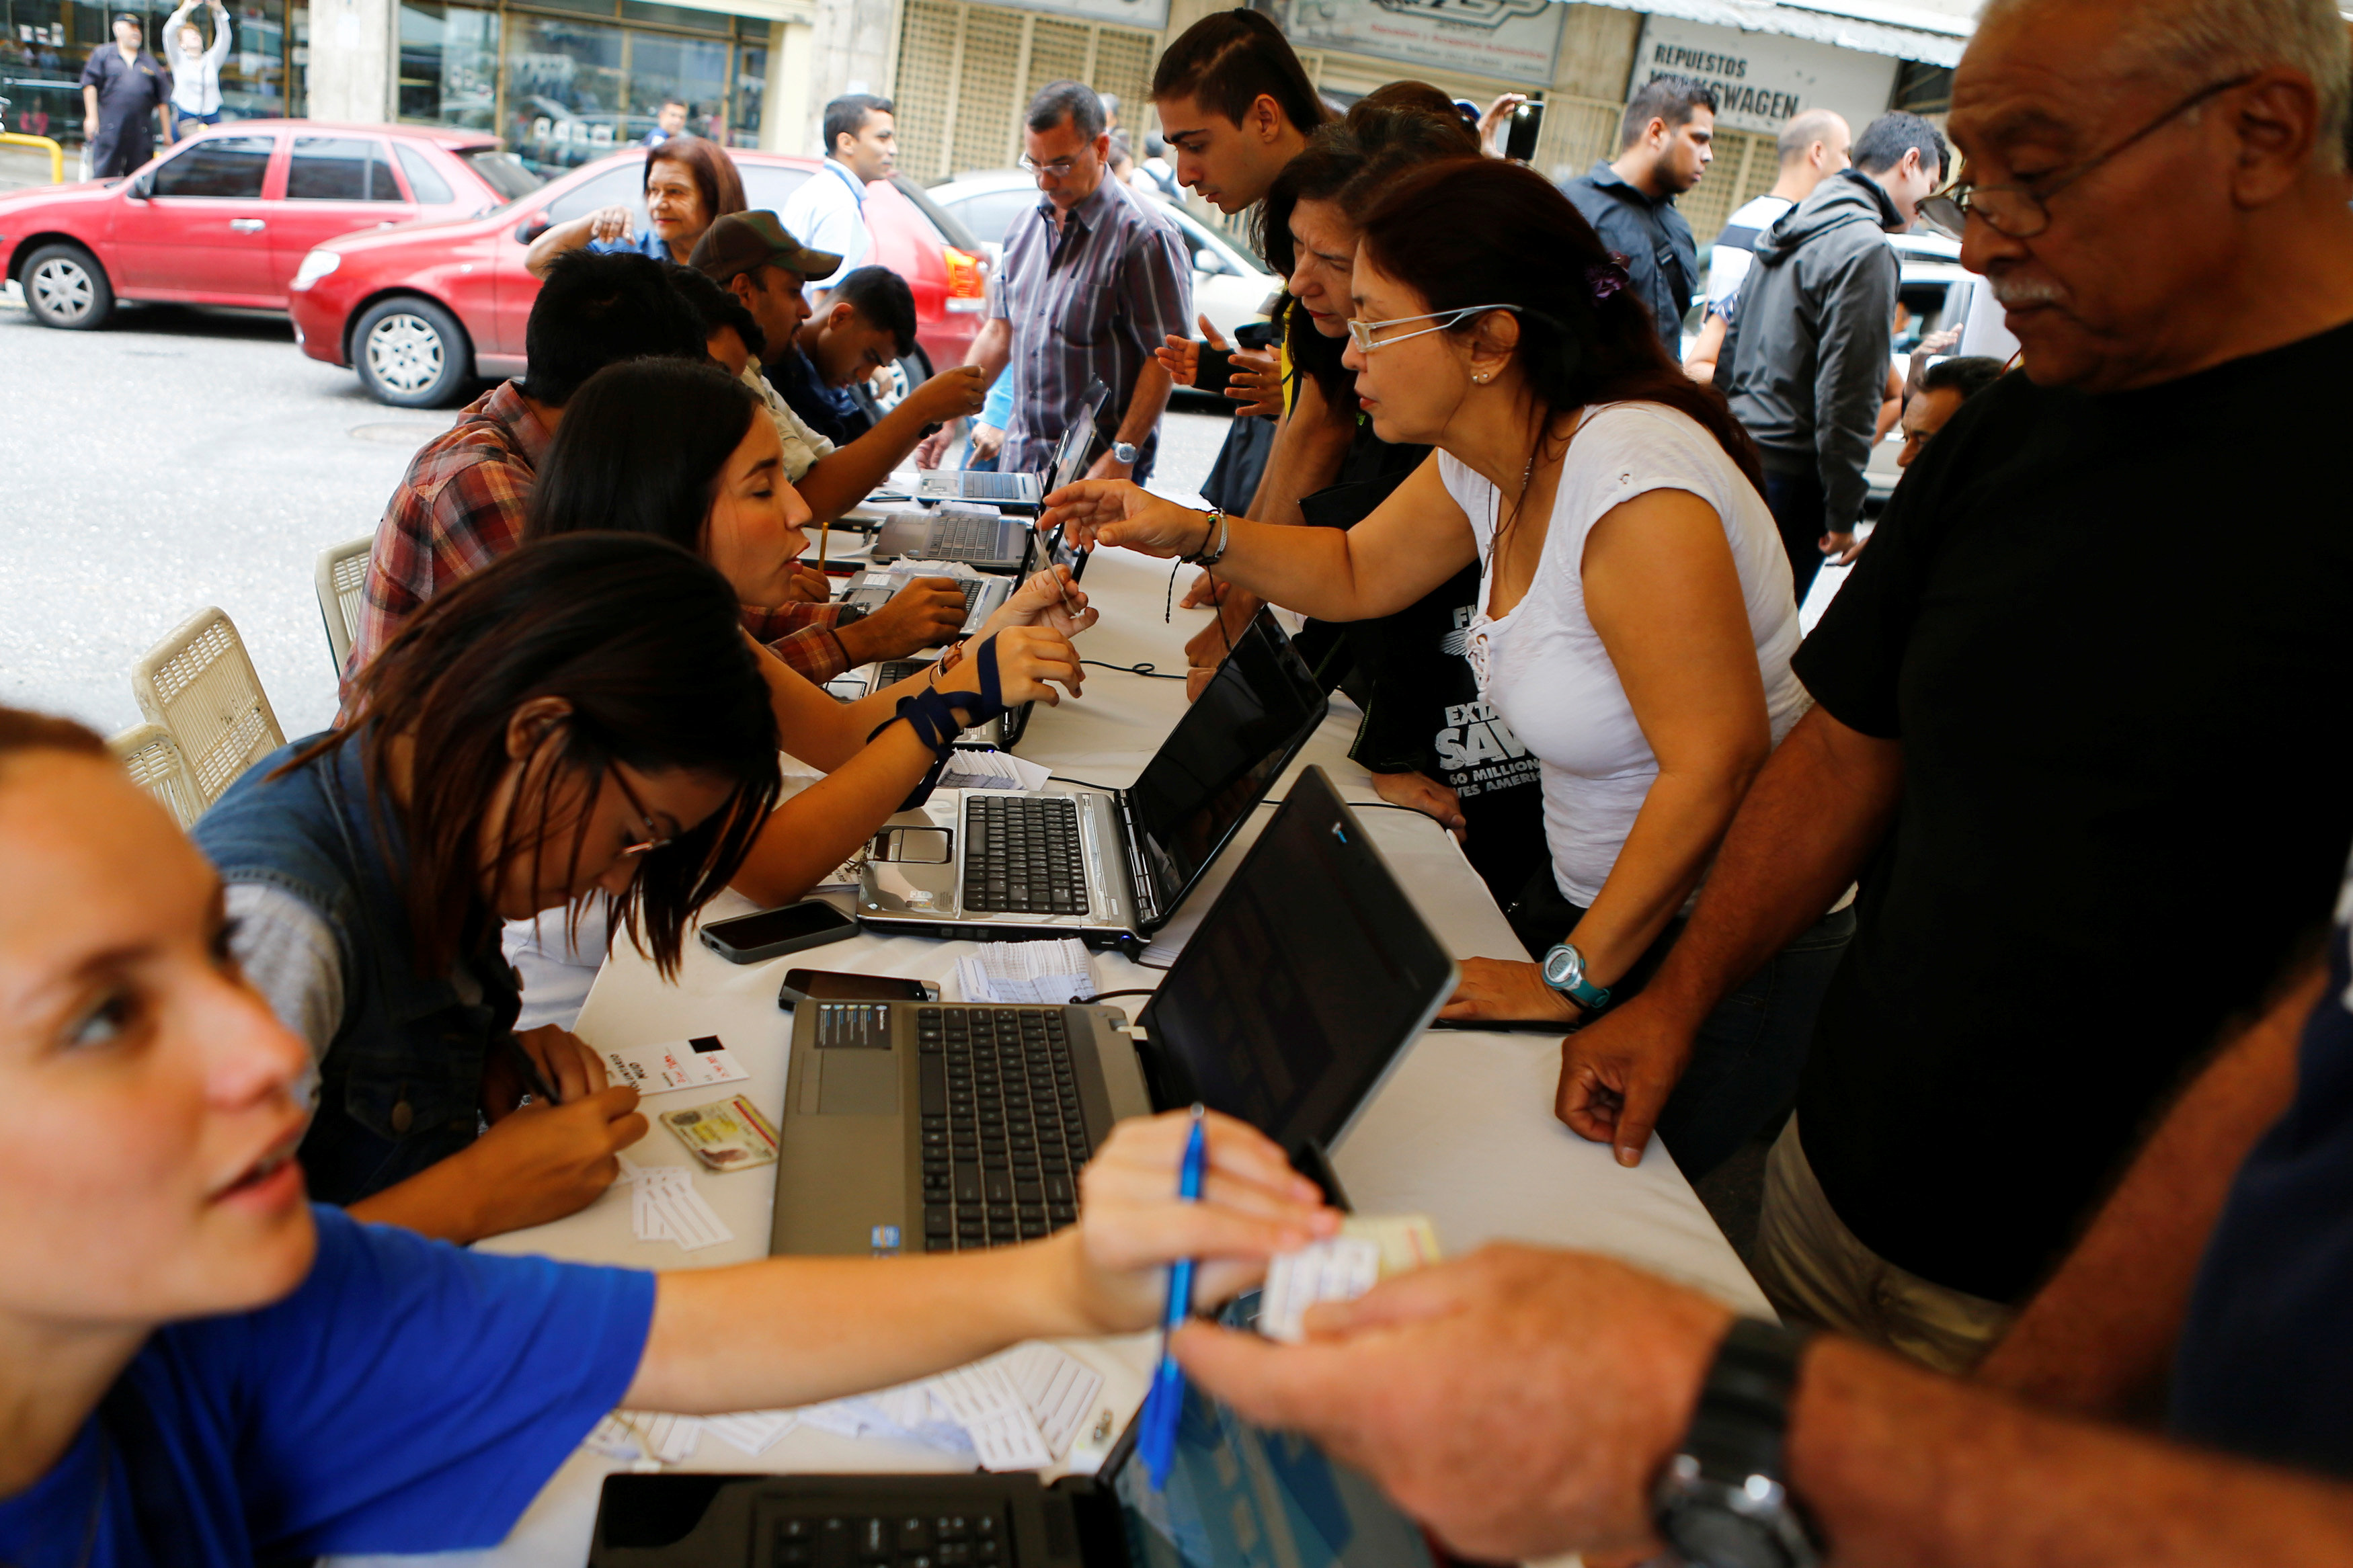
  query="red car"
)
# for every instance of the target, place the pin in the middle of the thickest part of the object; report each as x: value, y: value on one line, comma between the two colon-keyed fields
x: 226, y: 216
x: 422, y: 308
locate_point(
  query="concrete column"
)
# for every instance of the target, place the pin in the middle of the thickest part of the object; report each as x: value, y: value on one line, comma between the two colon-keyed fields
x: 355, y: 60
x: 849, y: 52
x: 785, y: 114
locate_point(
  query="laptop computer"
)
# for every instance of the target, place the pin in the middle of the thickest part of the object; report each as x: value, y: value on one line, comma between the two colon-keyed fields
x: 1027, y: 491
x: 928, y: 1127
x: 1107, y: 866
x: 1237, y: 1496
x: 870, y: 590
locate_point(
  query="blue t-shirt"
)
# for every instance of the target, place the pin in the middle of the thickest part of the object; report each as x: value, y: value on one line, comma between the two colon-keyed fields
x: 2265, y: 1367
x: 645, y: 242
x: 408, y: 1396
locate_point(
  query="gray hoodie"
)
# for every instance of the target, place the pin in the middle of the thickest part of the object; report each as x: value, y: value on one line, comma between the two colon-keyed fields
x: 1811, y: 330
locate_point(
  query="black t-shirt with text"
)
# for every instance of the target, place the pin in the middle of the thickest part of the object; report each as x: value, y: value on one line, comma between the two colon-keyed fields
x: 2114, y: 638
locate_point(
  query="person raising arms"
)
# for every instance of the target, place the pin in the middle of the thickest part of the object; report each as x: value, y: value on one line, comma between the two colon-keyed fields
x: 691, y: 184
x: 198, y: 1367
x: 679, y: 451
x: 1635, y: 621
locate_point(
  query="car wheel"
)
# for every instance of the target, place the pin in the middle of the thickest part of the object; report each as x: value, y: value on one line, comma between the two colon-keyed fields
x: 66, y: 288
x: 412, y: 353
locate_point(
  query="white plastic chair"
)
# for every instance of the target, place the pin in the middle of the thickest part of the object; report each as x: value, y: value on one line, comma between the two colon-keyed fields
x: 152, y: 757
x: 199, y: 684
x: 342, y: 573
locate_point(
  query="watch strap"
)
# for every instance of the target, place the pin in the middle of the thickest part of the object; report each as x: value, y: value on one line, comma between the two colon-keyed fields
x: 1743, y: 1413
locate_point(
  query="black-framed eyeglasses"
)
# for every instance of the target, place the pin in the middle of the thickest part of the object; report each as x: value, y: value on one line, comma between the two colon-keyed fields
x: 655, y: 838
x: 2020, y: 211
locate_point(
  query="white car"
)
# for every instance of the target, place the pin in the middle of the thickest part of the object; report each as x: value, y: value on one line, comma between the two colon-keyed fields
x: 1230, y: 285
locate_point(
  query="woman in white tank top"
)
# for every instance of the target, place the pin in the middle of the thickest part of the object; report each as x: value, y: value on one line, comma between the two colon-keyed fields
x: 1636, y: 619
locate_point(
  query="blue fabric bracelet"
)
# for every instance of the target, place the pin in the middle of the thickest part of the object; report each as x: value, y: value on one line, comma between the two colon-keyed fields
x: 932, y: 716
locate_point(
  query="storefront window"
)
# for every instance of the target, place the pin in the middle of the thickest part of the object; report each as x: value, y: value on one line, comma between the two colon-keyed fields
x: 751, y: 87
x: 566, y: 92
x: 43, y: 43
x: 449, y: 65
x: 664, y: 66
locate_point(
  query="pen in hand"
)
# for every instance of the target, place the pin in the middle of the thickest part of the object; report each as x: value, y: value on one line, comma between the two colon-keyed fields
x: 1165, y: 1399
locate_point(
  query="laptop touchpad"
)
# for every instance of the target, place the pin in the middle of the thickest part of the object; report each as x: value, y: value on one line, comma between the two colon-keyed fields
x: 857, y: 1083
x: 914, y: 846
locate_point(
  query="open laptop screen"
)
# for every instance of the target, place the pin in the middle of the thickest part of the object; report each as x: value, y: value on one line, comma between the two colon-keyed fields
x: 1304, y: 983
x: 1222, y: 757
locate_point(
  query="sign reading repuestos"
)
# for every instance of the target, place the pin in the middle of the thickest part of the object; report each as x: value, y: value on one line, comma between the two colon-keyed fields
x: 1762, y: 79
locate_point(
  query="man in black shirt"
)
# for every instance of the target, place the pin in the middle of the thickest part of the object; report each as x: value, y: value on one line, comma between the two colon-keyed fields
x: 1664, y: 146
x: 2090, y: 811
x: 868, y: 321
x: 122, y: 86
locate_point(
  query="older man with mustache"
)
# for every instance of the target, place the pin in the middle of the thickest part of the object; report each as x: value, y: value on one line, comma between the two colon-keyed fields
x: 2088, y: 756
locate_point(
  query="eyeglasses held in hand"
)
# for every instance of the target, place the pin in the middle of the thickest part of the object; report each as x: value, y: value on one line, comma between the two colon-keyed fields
x: 2020, y: 211
x: 1361, y: 332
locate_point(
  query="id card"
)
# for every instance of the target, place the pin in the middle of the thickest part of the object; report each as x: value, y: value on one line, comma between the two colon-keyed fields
x: 725, y: 1135
x: 698, y: 1063
x: 1364, y: 1252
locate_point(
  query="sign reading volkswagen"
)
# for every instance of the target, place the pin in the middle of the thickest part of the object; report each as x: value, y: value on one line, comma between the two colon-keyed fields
x: 1514, y: 40
x: 1762, y: 78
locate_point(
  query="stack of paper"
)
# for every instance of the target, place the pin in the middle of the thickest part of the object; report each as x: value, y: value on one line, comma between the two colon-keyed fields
x: 1039, y: 973
x: 641, y: 1434
x: 665, y: 1206
x: 754, y: 1431
x: 991, y: 770
x: 1018, y: 1411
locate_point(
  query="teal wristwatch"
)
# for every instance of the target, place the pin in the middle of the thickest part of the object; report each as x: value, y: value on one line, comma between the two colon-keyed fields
x: 1564, y: 971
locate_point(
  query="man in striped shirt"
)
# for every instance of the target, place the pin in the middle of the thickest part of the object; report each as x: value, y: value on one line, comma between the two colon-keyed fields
x: 1091, y: 284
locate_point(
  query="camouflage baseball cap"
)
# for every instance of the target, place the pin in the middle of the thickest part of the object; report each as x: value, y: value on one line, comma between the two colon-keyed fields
x: 741, y: 241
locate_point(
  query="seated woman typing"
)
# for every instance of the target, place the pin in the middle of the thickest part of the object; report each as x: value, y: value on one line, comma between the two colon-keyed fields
x: 199, y: 1368
x: 680, y: 451
x: 1634, y: 622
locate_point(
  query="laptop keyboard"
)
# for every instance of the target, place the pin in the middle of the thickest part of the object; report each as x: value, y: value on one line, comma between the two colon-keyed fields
x: 1021, y: 855
x: 823, y: 1537
x: 990, y: 487
x: 1004, y: 1138
x: 970, y: 537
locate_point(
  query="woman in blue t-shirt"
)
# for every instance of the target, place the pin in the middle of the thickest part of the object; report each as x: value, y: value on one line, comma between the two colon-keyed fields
x: 691, y: 184
x: 198, y: 1367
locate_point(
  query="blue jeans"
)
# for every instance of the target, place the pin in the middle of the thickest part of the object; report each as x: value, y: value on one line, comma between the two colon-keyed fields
x: 1745, y: 1064
x: 181, y: 121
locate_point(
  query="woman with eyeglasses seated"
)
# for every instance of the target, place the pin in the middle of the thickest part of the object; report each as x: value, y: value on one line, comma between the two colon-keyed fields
x: 199, y: 1368
x: 1635, y: 619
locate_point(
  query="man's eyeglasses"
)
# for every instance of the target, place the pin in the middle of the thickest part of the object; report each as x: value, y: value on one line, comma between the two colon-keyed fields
x: 1361, y: 332
x: 655, y: 838
x: 1060, y: 168
x: 2020, y: 211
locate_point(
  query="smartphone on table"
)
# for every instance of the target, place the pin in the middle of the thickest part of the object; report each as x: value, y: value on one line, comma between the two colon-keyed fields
x: 771, y: 933
x: 833, y: 986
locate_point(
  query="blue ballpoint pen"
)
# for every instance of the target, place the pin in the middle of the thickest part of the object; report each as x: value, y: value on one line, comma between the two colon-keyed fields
x: 1165, y: 1400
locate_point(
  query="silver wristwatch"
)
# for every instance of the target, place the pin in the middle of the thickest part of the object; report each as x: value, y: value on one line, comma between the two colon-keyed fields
x: 1125, y: 452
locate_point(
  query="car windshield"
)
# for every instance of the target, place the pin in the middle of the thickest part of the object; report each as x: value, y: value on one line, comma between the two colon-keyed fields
x: 499, y: 171
x: 951, y: 229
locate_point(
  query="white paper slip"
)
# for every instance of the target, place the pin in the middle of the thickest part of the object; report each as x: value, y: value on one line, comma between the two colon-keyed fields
x: 1365, y: 1252
x: 697, y: 1063
x: 1040, y: 973
x: 665, y: 1206
x: 1059, y: 1388
x: 754, y: 1431
x: 644, y: 1435
x: 991, y: 770
x: 1008, y: 1440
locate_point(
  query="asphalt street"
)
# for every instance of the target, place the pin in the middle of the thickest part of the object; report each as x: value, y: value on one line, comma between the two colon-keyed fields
x: 184, y: 457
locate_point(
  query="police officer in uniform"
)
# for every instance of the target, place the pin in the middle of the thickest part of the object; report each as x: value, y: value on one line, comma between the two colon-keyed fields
x: 121, y: 88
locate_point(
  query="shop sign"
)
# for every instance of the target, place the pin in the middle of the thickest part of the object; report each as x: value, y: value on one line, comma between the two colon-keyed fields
x: 1762, y: 79
x: 1148, y: 16
x: 1512, y: 40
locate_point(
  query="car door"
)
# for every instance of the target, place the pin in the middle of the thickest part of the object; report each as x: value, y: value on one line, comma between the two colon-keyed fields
x: 334, y: 184
x: 196, y: 226
x: 623, y: 185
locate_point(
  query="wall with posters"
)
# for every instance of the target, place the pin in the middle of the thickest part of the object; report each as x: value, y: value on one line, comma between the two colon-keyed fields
x: 1762, y: 78
x: 1509, y: 40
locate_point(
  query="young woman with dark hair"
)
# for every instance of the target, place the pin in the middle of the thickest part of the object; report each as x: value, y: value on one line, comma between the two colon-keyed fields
x: 1635, y: 620
x: 689, y: 185
x: 584, y: 713
x: 681, y: 451
x: 198, y: 1368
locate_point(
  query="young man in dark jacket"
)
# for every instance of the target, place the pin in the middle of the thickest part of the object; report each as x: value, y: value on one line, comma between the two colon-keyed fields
x: 1664, y: 147
x: 1812, y: 329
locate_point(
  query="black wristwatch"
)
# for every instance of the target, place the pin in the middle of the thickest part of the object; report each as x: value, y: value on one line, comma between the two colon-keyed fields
x: 1723, y: 1500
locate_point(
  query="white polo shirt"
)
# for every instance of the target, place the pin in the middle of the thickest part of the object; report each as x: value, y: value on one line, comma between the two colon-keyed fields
x: 828, y: 213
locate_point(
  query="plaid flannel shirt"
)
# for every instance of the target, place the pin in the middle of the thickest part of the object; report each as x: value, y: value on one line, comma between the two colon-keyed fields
x: 461, y: 506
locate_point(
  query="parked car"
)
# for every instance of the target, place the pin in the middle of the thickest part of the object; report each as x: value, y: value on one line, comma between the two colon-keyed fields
x: 1230, y: 285
x: 420, y: 311
x: 1934, y: 291
x: 226, y: 216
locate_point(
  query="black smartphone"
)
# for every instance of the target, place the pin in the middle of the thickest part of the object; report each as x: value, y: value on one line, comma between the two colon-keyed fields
x: 833, y: 986
x: 1527, y: 121
x: 1216, y: 372
x: 748, y: 939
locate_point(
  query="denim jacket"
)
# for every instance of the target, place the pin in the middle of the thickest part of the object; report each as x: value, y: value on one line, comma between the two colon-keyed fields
x: 401, y: 1083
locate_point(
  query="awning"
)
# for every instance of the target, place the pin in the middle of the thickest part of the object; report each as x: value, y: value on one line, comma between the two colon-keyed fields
x: 1905, y: 32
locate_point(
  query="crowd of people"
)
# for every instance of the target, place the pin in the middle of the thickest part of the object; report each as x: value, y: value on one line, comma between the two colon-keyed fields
x: 2047, y: 1221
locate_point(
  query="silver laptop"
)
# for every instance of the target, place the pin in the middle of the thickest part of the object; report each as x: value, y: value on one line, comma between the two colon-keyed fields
x: 1109, y: 867
x: 930, y: 1126
x: 1027, y: 491
x: 983, y: 596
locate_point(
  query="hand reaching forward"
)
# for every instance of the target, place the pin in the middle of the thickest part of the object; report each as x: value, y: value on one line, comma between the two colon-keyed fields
x: 1115, y: 511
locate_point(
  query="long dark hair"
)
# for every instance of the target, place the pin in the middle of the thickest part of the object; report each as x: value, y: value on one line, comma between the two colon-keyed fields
x: 713, y: 171
x: 640, y: 451
x: 642, y: 640
x: 1481, y: 231
x: 1351, y: 164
